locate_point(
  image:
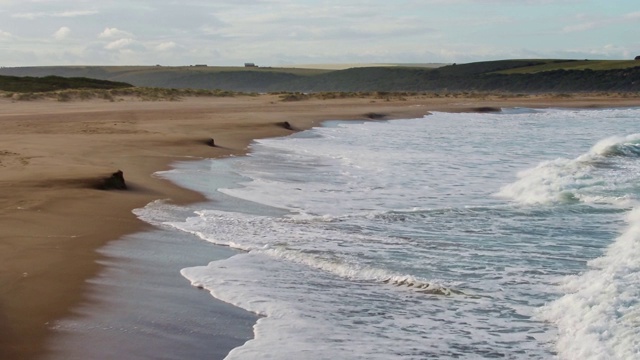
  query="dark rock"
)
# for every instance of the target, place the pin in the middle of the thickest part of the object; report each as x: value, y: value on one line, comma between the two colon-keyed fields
x: 637, y: 57
x: 114, y: 182
x: 210, y: 142
x: 375, y: 116
x: 286, y: 125
x: 487, y: 109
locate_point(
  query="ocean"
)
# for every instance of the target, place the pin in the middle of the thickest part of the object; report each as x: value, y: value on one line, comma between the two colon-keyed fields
x: 509, y: 235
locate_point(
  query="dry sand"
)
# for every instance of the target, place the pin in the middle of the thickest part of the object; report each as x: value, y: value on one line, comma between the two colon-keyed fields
x: 52, y: 219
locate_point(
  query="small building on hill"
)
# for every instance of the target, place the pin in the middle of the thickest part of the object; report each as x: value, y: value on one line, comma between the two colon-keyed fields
x: 250, y: 65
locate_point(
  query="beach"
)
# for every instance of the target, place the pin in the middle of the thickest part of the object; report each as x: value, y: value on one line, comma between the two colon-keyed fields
x: 53, y: 219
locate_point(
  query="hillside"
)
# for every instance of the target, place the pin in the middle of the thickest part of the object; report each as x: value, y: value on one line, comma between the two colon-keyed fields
x: 530, y: 75
x: 54, y: 83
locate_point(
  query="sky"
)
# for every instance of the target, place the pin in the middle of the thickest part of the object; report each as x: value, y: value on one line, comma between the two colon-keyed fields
x: 279, y: 32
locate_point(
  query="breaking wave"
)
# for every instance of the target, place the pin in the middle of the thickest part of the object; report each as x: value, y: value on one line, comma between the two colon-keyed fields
x: 587, y: 178
x: 618, y: 146
x: 360, y: 273
x: 598, y: 317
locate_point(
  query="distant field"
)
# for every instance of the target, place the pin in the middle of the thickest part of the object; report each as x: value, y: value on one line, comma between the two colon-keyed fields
x: 596, y: 65
x: 511, y: 75
x: 210, y: 69
x: 363, y: 65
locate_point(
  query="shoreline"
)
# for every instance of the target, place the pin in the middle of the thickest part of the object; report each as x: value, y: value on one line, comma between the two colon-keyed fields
x: 52, y: 222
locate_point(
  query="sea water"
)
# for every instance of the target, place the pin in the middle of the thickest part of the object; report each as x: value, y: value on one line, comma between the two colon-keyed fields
x: 505, y: 235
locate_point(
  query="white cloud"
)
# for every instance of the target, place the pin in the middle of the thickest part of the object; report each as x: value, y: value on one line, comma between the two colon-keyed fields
x: 36, y: 15
x: 119, y: 44
x: 165, y: 46
x: 62, y: 33
x: 581, y: 27
x: 110, y: 33
x: 226, y: 32
x: 74, y: 13
x: 4, y: 35
x: 29, y: 16
x: 633, y: 15
x: 590, y: 22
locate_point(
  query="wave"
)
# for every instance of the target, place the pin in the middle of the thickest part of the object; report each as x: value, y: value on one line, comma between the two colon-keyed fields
x: 520, y: 111
x: 360, y: 273
x: 418, y: 213
x: 420, y: 286
x: 590, y: 178
x: 469, y: 212
x: 618, y: 146
x: 161, y: 212
x: 279, y: 240
x: 598, y: 318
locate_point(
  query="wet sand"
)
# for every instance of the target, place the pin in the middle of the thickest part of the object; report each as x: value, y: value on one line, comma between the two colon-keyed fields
x: 52, y: 154
x: 139, y: 307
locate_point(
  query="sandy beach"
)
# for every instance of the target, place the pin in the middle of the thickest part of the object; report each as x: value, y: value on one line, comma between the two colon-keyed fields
x: 53, y: 154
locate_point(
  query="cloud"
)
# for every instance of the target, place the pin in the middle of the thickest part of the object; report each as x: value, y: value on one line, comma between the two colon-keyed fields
x: 168, y: 45
x: 581, y: 27
x: 226, y: 32
x: 5, y: 35
x: 110, y: 33
x: 591, y: 22
x: 633, y: 15
x: 119, y: 44
x: 64, y: 14
x: 335, y: 21
x: 74, y: 13
x: 28, y: 16
x: 62, y: 33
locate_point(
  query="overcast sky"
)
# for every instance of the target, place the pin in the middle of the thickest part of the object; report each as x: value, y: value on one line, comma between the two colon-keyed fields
x: 280, y: 32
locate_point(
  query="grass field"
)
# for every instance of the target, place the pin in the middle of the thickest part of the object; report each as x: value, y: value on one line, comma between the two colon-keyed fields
x: 596, y: 65
x: 212, y: 69
x: 514, y: 75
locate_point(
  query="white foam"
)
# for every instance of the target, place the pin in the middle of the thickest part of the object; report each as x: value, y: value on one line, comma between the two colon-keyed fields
x: 580, y: 179
x: 550, y: 181
x: 300, y: 241
x: 341, y: 271
x: 159, y: 212
x: 606, y: 146
x: 327, y: 292
x: 311, y: 314
x: 599, y: 318
x: 310, y: 170
x: 291, y: 302
x: 358, y: 272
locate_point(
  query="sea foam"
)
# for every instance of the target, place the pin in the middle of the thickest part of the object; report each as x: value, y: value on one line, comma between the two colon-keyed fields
x: 599, y: 317
x: 583, y: 178
x: 342, y: 227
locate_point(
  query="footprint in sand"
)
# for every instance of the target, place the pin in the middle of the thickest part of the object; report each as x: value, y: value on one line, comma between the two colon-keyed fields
x: 10, y: 158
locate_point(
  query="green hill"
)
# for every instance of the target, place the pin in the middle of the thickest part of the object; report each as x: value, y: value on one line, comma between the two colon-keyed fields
x: 526, y: 75
x: 53, y: 83
x: 596, y: 65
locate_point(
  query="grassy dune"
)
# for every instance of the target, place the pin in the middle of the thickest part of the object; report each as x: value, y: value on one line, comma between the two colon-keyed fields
x: 52, y: 83
x: 118, y: 94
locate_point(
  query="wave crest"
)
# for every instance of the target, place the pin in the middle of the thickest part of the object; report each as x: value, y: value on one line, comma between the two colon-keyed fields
x: 420, y: 286
x: 598, y: 317
x: 359, y: 272
x: 618, y: 146
x: 593, y: 175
